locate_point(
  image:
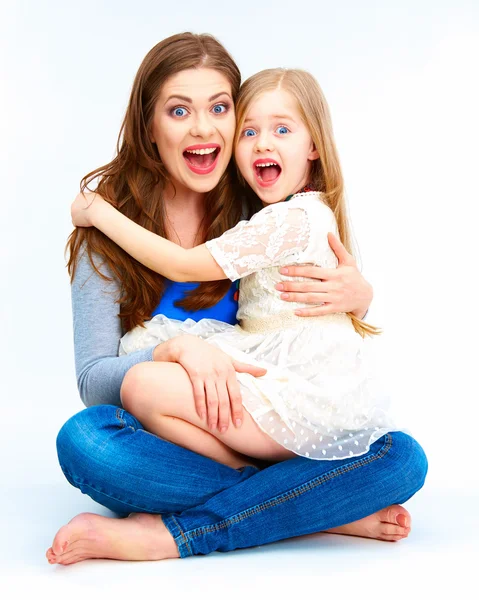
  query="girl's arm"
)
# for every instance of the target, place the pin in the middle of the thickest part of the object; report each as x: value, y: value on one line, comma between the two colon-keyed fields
x: 156, y: 253
x: 266, y: 240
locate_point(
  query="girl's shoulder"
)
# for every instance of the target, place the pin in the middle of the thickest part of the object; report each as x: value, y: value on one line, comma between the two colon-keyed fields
x: 311, y: 202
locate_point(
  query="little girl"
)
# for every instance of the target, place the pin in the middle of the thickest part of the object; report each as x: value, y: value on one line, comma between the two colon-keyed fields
x: 317, y: 398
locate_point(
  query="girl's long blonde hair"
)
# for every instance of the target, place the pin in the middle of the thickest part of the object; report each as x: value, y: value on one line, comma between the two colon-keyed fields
x: 326, y: 176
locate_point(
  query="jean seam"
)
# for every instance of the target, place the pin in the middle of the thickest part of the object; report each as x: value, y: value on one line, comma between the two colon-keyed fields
x: 295, y: 493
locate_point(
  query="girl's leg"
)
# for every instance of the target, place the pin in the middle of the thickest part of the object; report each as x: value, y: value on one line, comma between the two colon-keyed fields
x: 172, y: 416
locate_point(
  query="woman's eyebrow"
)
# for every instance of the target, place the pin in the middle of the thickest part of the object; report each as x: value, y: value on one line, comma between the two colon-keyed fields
x: 190, y: 101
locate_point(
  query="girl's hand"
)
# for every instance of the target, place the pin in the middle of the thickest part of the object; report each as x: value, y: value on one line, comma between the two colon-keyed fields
x: 343, y: 289
x: 81, y: 209
x: 213, y: 377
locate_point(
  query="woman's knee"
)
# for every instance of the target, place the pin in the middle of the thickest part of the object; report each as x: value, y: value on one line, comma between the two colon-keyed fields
x: 411, y: 460
x: 81, y: 436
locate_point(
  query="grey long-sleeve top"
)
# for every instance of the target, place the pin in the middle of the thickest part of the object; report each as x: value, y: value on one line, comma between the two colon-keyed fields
x: 96, y: 334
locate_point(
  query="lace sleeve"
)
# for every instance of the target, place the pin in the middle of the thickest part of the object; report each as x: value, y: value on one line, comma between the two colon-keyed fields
x: 272, y: 235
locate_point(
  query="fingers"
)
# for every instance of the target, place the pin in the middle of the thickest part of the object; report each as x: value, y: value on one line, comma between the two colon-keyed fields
x: 211, y: 404
x: 242, y: 367
x: 316, y: 311
x: 311, y: 271
x: 338, y: 248
x: 307, y: 298
x: 223, y: 406
x: 236, y: 403
x: 199, y: 396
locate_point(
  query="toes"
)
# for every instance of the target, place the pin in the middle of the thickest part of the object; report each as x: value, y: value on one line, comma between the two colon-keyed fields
x: 389, y: 529
x: 399, y: 515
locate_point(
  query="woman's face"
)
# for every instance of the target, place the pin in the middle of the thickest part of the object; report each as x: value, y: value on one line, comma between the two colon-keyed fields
x: 193, y: 128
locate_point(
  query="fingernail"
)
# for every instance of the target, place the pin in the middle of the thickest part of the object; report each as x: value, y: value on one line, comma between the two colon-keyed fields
x: 284, y: 270
x: 238, y: 422
x: 223, y: 429
x: 280, y: 286
x: 284, y: 296
x: 298, y: 312
x: 213, y: 426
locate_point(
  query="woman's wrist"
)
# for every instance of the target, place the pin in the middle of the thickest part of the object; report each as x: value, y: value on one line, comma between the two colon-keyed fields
x: 361, y: 311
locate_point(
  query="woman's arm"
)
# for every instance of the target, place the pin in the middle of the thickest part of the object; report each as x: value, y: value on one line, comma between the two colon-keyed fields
x: 156, y: 253
x: 96, y: 333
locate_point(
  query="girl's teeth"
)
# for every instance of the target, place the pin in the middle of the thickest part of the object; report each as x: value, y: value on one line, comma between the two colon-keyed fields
x: 267, y: 165
x: 202, y: 151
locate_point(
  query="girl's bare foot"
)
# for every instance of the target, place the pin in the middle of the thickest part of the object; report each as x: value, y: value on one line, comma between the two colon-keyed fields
x: 390, y: 524
x: 137, y: 537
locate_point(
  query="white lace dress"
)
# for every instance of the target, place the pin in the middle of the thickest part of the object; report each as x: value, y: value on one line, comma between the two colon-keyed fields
x: 318, y: 397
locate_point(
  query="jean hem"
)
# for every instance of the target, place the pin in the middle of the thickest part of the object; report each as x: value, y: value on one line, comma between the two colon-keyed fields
x: 178, y: 535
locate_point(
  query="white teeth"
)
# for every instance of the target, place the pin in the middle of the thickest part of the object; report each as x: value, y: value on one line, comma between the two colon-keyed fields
x: 267, y: 165
x: 202, y: 151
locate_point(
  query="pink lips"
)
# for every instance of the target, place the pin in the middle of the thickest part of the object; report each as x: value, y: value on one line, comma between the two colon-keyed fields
x: 196, y: 168
x: 257, y: 170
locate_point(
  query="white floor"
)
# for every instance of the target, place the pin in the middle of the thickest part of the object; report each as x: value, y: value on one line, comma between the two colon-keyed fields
x: 440, y: 555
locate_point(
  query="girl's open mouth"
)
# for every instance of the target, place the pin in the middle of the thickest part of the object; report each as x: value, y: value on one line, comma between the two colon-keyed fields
x: 267, y: 172
x: 202, y: 159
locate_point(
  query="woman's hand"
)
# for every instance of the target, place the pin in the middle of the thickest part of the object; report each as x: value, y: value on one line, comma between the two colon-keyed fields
x: 343, y: 289
x: 82, y: 211
x: 213, y: 377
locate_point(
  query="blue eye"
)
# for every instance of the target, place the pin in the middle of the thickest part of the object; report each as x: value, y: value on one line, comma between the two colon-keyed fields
x: 219, y: 109
x: 249, y: 132
x: 179, y: 111
x: 282, y: 129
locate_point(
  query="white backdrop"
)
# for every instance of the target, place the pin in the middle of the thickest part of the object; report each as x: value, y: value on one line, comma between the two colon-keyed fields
x: 401, y: 81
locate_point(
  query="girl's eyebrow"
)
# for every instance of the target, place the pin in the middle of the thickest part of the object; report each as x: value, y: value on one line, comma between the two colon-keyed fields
x: 190, y: 101
x: 281, y: 117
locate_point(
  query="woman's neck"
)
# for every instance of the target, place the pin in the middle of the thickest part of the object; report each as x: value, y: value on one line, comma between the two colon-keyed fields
x: 185, y: 212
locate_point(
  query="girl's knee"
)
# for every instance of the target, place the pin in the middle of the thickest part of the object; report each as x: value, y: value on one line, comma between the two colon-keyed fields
x: 133, y: 385
x: 412, y: 460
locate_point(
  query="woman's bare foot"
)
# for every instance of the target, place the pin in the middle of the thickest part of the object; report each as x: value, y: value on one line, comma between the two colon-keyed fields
x: 138, y: 537
x: 390, y: 524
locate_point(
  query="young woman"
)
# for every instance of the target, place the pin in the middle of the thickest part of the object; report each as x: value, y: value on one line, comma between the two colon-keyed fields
x: 167, y: 179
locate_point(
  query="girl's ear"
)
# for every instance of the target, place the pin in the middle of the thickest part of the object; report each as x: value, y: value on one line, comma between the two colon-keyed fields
x: 313, y: 154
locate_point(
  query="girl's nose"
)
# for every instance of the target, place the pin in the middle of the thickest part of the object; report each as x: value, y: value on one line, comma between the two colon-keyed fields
x: 264, y: 143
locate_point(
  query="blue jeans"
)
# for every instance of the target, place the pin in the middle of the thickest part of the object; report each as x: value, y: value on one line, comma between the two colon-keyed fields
x: 105, y: 452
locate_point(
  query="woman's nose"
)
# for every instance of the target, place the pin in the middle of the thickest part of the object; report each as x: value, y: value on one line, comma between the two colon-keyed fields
x: 202, y: 127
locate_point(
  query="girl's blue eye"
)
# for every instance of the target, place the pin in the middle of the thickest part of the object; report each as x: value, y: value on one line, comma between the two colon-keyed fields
x: 219, y: 109
x: 282, y: 129
x: 179, y: 111
x: 249, y: 132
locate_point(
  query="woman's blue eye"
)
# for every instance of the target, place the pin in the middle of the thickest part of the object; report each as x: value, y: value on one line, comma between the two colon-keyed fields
x: 219, y: 109
x: 179, y: 111
x: 282, y: 129
x: 249, y: 132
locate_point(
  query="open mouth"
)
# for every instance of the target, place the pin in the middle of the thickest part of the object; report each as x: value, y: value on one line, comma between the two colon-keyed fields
x: 267, y: 172
x: 202, y: 160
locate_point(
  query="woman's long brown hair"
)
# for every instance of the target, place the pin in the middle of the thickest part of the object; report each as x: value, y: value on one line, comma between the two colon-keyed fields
x: 135, y: 180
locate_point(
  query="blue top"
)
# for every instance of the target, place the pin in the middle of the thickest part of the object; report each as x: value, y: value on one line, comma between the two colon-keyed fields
x: 225, y: 310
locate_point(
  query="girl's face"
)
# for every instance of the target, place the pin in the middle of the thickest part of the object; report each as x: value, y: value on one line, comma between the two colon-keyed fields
x: 275, y: 148
x: 193, y: 128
